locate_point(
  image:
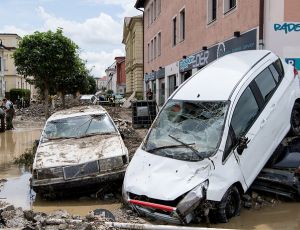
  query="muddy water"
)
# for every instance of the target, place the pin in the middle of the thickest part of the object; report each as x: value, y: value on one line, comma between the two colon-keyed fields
x: 17, y: 191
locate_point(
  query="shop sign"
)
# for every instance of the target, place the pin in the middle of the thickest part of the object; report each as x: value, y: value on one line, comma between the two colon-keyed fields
x: 247, y: 41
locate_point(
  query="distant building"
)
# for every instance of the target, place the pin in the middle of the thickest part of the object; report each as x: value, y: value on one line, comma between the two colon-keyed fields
x: 121, y: 76
x: 11, y: 77
x: 101, y: 83
x: 133, y: 40
x: 2, y: 81
x: 182, y: 38
x: 111, y: 74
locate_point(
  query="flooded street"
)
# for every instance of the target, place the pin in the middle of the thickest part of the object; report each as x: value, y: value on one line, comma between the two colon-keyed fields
x: 16, y: 191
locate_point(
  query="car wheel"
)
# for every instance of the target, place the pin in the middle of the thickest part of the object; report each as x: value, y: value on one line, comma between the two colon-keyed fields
x: 229, y: 206
x: 295, y: 119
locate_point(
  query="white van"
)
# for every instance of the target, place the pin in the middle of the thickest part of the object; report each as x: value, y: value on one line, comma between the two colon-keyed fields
x: 212, y: 138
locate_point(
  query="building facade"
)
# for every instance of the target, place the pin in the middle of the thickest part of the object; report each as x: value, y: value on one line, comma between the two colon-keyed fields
x: 121, y: 76
x: 133, y: 41
x: 2, y: 81
x: 182, y: 37
x: 101, y: 83
x: 111, y: 75
x: 11, y: 78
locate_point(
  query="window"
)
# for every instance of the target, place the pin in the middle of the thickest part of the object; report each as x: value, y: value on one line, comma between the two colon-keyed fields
x: 159, y: 45
x: 154, y: 10
x: 266, y: 84
x: 151, y: 50
x: 229, y: 5
x: 158, y: 7
x: 174, y: 32
x: 155, y: 47
x: 0, y: 64
x: 149, y: 17
x: 148, y: 52
x: 275, y: 73
x: 279, y: 67
x: 182, y: 25
x: 211, y: 10
x: 245, y: 113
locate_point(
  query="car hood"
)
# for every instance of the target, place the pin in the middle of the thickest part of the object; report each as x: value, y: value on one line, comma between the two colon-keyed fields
x: 76, y: 151
x: 163, y: 178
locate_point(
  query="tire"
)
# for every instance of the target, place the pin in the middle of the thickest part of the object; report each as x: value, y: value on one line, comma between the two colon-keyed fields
x: 229, y: 206
x: 295, y: 120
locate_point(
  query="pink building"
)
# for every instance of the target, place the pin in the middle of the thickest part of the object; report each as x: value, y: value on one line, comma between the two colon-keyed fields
x: 182, y: 36
x: 121, y: 75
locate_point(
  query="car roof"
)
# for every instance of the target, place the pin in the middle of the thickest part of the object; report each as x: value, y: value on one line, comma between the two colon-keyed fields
x: 216, y: 81
x: 87, y: 96
x: 77, y: 111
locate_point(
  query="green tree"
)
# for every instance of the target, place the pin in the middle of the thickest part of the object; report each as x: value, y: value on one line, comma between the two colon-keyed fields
x: 92, y: 86
x: 47, y: 57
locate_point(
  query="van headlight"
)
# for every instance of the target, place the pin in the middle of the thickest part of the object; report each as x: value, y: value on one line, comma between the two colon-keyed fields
x: 112, y: 163
x: 192, y: 199
x: 48, y: 173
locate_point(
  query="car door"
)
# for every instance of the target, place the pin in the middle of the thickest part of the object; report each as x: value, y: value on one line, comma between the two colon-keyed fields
x: 251, y: 119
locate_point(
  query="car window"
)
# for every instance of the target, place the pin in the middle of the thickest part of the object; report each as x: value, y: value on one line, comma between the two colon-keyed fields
x: 266, y: 83
x: 244, y: 113
x: 279, y: 67
x: 275, y: 73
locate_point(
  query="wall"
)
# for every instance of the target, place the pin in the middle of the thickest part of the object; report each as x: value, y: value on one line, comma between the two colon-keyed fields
x: 282, y: 29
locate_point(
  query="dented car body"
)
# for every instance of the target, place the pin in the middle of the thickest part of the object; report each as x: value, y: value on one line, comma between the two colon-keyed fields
x: 79, y: 147
x: 212, y: 138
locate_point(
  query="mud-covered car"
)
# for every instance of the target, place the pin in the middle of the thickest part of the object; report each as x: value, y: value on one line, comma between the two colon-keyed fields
x: 79, y: 148
x: 212, y: 138
x: 281, y: 176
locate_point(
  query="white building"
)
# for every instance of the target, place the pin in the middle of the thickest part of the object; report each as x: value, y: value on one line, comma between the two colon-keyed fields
x: 111, y: 74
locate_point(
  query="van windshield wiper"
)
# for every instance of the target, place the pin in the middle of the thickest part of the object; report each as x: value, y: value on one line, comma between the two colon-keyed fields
x: 188, y: 146
x: 167, y: 146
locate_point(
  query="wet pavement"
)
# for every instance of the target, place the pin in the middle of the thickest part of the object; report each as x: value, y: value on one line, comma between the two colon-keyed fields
x: 16, y: 190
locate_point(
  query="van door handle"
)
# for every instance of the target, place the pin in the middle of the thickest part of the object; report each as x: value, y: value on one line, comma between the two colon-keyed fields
x: 273, y: 106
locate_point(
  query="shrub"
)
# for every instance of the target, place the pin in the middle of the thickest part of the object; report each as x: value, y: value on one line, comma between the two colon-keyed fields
x: 15, y: 94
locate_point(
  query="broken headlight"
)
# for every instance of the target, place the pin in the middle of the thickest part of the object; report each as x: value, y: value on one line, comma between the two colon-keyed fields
x: 113, y: 163
x: 49, y: 173
x: 192, y: 199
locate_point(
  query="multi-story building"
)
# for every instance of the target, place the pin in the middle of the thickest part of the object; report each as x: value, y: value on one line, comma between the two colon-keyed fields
x: 111, y: 78
x: 182, y: 36
x: 101, y: 83
x: 12, y: 78
x: 133, y: 40
x: 2, y: 82
x: 121, y: 76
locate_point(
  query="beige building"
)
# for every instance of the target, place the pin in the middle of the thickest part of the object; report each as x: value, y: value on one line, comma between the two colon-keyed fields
x: 11, y: 77
x: 2, y: 85
x: 133, y: 40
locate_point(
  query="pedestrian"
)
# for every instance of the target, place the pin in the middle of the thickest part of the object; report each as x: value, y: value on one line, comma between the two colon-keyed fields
x: 149, y: 94
x: 2, y: 117
x: 10, y: 113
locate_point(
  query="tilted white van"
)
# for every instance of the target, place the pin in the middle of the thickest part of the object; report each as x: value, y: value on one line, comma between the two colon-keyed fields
x: 212, y: 138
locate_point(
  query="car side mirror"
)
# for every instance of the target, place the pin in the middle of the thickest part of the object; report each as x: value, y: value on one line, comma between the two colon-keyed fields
x: 242, y: 145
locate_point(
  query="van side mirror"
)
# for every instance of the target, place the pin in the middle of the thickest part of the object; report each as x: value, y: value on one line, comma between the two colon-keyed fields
x: 242, y: 145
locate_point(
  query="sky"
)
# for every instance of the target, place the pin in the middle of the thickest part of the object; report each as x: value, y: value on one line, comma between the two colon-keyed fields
x: 96, y: 26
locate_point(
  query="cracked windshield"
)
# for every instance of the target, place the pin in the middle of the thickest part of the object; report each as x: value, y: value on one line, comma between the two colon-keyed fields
x: 187, y: 130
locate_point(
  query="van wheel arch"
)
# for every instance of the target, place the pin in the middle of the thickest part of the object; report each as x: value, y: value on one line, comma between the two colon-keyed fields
x: 295, y: 119
x: 230, y: 204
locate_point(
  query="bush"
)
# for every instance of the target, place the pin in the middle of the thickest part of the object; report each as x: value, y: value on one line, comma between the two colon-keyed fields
x: 15, y: 94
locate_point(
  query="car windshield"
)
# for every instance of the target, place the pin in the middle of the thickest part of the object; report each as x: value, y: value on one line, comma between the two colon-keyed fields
x: 79, y: 126
x: 187, y: 130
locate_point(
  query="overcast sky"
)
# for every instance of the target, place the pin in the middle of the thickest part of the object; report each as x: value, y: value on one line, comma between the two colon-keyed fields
x: 96, y: 26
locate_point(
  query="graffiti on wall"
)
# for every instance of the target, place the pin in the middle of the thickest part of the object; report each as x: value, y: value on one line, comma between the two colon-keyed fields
x: 287, y: 27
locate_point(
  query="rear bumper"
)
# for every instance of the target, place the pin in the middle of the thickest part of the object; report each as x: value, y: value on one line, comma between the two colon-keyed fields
x: 83, y: 183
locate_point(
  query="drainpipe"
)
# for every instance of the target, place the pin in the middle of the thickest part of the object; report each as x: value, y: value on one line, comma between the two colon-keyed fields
x: 261, y: 23
x: 143, y: 49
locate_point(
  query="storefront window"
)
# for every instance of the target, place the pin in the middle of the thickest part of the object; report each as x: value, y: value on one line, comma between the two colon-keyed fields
x: 161, y: 91
x: 172, y: 84
x: 186, y: 75
x: 154, y: 89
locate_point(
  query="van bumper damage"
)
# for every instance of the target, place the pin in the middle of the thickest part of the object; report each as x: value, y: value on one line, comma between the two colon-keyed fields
x: 180, y: 211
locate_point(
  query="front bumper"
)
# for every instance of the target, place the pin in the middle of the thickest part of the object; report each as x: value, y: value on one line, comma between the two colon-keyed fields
x: 82, y: 183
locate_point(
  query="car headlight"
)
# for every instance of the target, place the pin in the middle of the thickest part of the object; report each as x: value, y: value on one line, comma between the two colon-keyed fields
x: 192, y: 199
x: 113, y: 163
x: 48, y: 173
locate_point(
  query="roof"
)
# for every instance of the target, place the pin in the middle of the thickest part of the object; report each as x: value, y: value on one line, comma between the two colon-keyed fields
x: 139, y: 4
x: 77, y: 111
x: 216, y: 81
